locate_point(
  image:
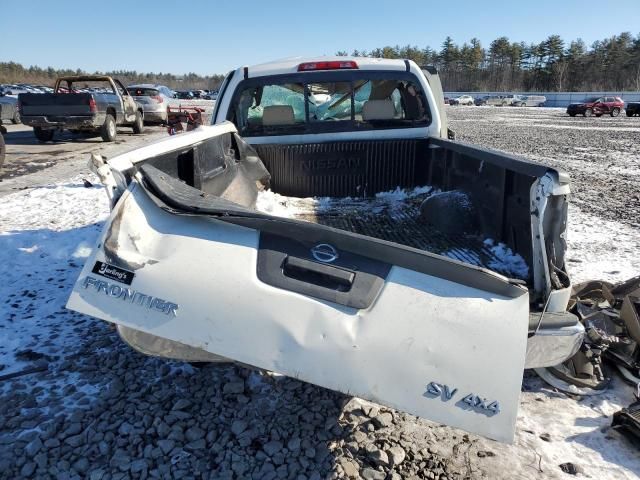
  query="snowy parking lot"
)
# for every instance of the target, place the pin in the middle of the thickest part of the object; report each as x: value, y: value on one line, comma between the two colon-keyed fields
x: 90, y: 407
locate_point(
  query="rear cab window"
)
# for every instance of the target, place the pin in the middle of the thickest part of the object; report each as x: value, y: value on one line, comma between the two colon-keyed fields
x: 322, y: 102
x: 143, y: 92
x: 85, y: 86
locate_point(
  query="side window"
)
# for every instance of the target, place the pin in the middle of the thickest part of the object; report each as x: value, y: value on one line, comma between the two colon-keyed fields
x: 120, y: 87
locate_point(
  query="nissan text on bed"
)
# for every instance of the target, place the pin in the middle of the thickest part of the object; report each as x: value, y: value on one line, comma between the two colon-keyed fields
x: 431, y: 298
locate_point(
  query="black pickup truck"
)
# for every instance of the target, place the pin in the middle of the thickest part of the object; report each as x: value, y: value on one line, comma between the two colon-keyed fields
x: 81, y: 103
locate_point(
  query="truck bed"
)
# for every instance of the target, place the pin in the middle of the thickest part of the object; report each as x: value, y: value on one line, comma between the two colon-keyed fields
x: 395, y: 217
x: 338, y: 184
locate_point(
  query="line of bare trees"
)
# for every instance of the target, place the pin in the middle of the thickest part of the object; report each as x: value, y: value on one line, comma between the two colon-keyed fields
x: 11, y: 72
x: 612, y: 64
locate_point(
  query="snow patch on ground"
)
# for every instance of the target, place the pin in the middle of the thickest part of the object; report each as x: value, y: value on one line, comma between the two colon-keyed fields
x: 579, y: 432
x: 45, y: 235
x: 600, y: 249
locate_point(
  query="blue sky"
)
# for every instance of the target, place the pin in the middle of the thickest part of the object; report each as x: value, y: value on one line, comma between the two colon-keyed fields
x: 155, y: 35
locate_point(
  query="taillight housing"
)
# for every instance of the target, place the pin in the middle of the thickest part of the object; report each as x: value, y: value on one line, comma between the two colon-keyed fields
x: 158, y: 98
x: 332, y: 65
x: 92, y: 105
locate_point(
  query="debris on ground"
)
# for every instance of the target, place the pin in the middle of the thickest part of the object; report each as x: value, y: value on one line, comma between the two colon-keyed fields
x: 181, y: 119
x: 627, y: 421
x: 611, y: 318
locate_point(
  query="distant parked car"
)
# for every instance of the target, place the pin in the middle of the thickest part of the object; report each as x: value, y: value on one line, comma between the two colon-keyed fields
x: 495, y: 100
x: 632, y: 109
x: 462, y: 100
x: 528, y: 100
x: 15, y: 90
x: 154, y: 100
x: 45, y: 89
x: 447, y: 100
x: 9, y: 109
x: 597, y: 106
x: 512, y: 100
x: 183, y: 95
x: 30, y: 88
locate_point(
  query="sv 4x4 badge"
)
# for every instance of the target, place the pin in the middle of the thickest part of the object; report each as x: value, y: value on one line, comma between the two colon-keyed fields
x: 468, y: 402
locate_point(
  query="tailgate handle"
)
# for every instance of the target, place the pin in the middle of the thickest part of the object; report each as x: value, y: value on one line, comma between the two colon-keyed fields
x: 319, y: 274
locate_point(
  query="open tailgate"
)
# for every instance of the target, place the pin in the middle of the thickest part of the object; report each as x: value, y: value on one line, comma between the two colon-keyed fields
x: 38, y: 104
x: 415, y: 331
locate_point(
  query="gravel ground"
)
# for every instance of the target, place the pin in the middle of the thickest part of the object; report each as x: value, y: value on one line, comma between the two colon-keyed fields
x: 99, y: 410
x: 29, y: 163
x: 602, y: 155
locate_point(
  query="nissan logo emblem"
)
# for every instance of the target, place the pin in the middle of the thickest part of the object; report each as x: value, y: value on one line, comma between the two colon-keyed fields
x: 325, y: 253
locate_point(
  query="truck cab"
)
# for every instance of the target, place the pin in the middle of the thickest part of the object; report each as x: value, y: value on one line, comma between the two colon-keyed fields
x: 326, y: 98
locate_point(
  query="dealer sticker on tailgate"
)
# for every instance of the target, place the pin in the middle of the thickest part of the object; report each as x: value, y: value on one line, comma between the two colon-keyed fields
x: 113, y: 273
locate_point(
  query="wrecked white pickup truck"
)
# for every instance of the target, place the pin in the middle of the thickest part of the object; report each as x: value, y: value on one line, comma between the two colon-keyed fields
x: 431, y: 298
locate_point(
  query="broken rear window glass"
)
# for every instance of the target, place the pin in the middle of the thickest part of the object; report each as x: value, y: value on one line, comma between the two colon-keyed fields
x: 274, y: 106
x: 270, y: 106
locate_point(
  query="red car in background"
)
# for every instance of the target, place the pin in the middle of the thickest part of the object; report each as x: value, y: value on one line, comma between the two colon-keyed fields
x: 597, y: 106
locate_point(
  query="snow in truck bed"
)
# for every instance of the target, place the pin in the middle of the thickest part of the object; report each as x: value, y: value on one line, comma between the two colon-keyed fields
x: 395, y: 216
